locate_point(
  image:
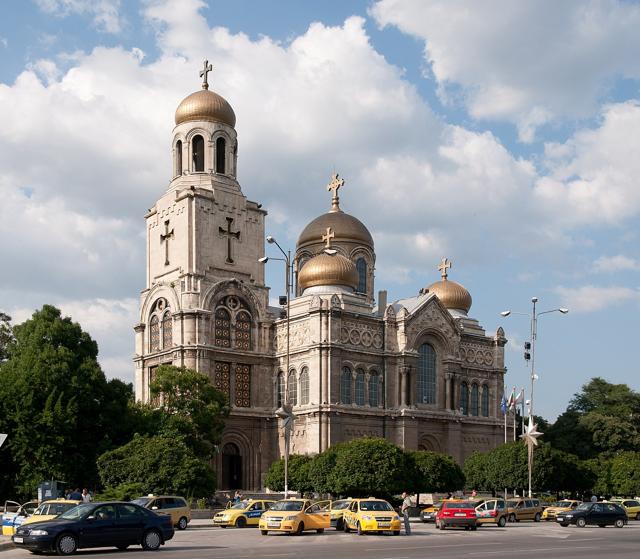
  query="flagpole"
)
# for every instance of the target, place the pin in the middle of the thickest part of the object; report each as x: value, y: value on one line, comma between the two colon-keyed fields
x: 505, y: 427
x: 514, y: 422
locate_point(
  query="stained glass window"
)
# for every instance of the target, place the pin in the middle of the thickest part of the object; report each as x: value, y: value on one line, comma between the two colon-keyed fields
x: 345, y: 386
x: 154, y: 334
x: 361, y: 266
x: 292, y: 389
x: 426, y: 375
x: 474, y: 399
x: 464, y: 398
x: 243, y: 386
x: 374, y: 389
x: 359, y: 391
x: 167, y: 330
x: 304, y: 386
x: 222, y: 328
x: 485, y: 400
x: 243, y: 331
x: 222, y: 377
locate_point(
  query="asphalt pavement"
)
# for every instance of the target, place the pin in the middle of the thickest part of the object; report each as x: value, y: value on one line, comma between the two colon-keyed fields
x: 542, y: 540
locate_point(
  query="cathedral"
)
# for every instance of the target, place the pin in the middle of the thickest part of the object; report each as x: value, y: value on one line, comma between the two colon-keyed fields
x: 419, y: 372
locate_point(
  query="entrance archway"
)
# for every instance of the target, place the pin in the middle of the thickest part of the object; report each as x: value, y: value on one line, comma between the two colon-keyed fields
x: 231, y: 467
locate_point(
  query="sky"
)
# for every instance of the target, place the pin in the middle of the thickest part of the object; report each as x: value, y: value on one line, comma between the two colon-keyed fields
x: 503, y: 135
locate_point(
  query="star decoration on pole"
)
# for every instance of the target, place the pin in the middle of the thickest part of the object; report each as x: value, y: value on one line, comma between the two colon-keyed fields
x: 531, y: 434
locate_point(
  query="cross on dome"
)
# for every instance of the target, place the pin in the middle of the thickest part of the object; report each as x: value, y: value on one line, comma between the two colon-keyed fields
x: 334, y: 186
x: 445, y: 264
x: 327, y: 237
x: 203, y: 74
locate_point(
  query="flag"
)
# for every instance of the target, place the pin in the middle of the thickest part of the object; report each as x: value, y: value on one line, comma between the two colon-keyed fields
x: 512, y: 399
x: 503, y: 404
x: 520, y: 397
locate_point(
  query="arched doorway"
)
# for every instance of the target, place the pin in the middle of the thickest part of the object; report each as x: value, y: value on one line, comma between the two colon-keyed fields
x: 231, y: 467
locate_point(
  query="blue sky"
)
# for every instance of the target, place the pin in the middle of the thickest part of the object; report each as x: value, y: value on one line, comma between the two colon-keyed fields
x: 502, y: 135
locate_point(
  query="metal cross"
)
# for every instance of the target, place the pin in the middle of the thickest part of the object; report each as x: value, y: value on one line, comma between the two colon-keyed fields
x: 327, y: 238
x: 164, y: 237
x: 334, y: 186
x: 203, y: 74
x: 230, y: 235
x: 444, y: 265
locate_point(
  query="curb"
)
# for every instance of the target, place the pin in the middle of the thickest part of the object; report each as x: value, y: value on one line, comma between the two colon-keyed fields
x: 6, y: 545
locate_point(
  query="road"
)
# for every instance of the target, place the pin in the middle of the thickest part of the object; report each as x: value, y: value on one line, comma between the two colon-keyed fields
x: 530, y: 539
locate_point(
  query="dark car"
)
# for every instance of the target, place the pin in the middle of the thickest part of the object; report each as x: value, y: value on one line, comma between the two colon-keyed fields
x: 461, y: 513
x: 600, y: 514
x: 110, y: 524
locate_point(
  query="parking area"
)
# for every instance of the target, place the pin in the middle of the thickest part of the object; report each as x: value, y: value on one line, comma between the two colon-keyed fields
x: 203, y: 541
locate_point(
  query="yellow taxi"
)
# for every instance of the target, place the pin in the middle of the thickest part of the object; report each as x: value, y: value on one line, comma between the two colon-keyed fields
x: 337, y: 509
x: 631, y: 506
x: 552, y: 511
x: 245, y: 513
x: 50, y: 509
x: 371, y: 515
x: 174, y: 506
x: 295, y: 516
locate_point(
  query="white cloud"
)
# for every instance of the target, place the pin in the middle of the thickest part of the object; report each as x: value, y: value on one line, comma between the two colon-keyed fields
x: 525, y: 62
x: 105, y: 13
x: 591, y: 298
x: 617, y: 263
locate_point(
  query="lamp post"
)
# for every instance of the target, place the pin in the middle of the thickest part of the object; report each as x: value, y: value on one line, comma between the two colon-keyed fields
x: 532, y: 432
x: 284, y: 410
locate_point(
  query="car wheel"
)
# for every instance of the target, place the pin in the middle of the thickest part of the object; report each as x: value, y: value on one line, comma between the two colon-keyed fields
x: 264, y: 532
x: 474, y: 527
x: 66, y: 544
x: 581, y: 523
x: 512, y: 518
x: 151, y: 540
x: 300, y: 529
x: 241, y: 522
x: 182, y: 523
x: 536, y: 518
x: 442, y: 526
x: 396, y: 532
x: 359, y: 529
x: 502, y: 521
x: 122, y: 547
x: 619, y: 523
x: 339, y: 524
x: 564, y: 524
x: 320, y: 531
x: 346, y: 527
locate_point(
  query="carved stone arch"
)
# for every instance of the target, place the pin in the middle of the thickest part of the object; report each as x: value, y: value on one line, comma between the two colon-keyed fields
x: 430, y: 443
x: 159, y: 290
x: 180, y: 136
x: 390, y: 313
x: 431, y: 335
x: 242, y: 464
x: 195, y: 132
x: 233, y: 287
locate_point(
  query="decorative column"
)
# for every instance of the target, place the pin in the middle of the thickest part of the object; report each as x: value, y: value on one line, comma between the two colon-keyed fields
x: 447, y: 391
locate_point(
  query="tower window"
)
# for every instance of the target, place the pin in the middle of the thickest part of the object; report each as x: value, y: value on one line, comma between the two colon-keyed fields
x: 154, y: 337
x: 178, y: 158
x: 361, y: 266
x: 221, y: 147
x: 345, y: 386
x: 197, y: 146
x: 167, y: 330
x: 427, y: 375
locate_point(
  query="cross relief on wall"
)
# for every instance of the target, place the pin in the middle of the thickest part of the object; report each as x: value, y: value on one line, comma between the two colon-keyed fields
x: 230, y: 235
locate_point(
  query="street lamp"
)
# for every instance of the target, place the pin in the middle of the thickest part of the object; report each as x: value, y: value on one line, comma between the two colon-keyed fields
x: 532, y: 346
x: 284, y: 411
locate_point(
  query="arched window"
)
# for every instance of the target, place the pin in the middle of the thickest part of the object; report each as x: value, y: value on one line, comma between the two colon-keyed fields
x: 474, y: 399
x: 359, y: 392
x: 485, y: 400
x: 167, y: 330
x: 464, y: 398
x: 154, y: 334
x: 374, y: 389
x: 361, y: 266
x: 426, y: 375
x: 304, y: 386
x: 222, y: 330
x: 292, y: 389
x: 243, y: 331
x: 197, y: 149
x: 221, y: 147
x: 178, y: 158
x: 345, y: 386
x: 279, y: 390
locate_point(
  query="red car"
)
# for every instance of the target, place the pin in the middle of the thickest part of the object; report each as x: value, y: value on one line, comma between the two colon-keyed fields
x: 460, y: 513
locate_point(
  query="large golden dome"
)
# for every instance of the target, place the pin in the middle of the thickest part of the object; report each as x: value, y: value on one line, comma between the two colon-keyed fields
x: 205, y: 105
x: 328, y: 269
x: 345, y: 226
x: 451, y: 294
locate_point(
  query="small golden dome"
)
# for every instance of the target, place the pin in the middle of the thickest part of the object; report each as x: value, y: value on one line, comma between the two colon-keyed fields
x: 451, y: 294
x: 205, y: 105
x: 328, y: 269
x: 345, y: 226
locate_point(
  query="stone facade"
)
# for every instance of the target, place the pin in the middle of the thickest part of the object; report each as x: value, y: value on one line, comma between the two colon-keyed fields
x: 414, y: 372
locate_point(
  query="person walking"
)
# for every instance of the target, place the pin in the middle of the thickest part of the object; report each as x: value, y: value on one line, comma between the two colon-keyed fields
x: 86, y: 496
x: 406, y: 504
x: 75, y: 495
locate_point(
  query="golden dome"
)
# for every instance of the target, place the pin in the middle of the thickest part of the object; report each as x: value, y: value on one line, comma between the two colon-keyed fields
x: 345, y: 226
x: 328, y: 269
x: 451, y: 294
x: 205, y: 105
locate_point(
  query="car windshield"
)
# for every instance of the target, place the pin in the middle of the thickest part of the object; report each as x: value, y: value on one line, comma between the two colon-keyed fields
x: 463, y: 505
x: 563, y: 504
x: 54, y: 508
x: 340, y: 505
x: 239, y: 506
x: 142, y: 501
x: 77, y: 512
x: 584, y: 506
x: 375, y: 506
x: 287, y: 505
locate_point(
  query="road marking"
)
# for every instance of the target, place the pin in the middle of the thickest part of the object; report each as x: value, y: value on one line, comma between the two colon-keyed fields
x: 528, y: 550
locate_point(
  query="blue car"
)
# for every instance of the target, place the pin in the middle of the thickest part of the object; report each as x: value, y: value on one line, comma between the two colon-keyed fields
x: 109, y: 524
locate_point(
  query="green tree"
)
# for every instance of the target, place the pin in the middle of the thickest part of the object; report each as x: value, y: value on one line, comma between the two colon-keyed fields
x: 191, y: 406
x: 625, y: 474
x: 370, y: 466
x: 156, y: 464
x: 6, y: 335
x: 321, y: 469
x: 57, y: 406
x: 569, y: 435
x: 435, y: 472
x: 298, y: 474
x: 475, y: 472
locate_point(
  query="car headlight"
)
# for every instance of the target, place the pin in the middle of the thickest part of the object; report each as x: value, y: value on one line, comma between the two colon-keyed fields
x: 39, y: 533
x: 292, y: 517
x: 367, y: 517
x: 395, y: 518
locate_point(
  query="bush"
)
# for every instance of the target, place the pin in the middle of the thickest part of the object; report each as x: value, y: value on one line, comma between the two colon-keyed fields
x: 435, y: 472
x: 298, y: 474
